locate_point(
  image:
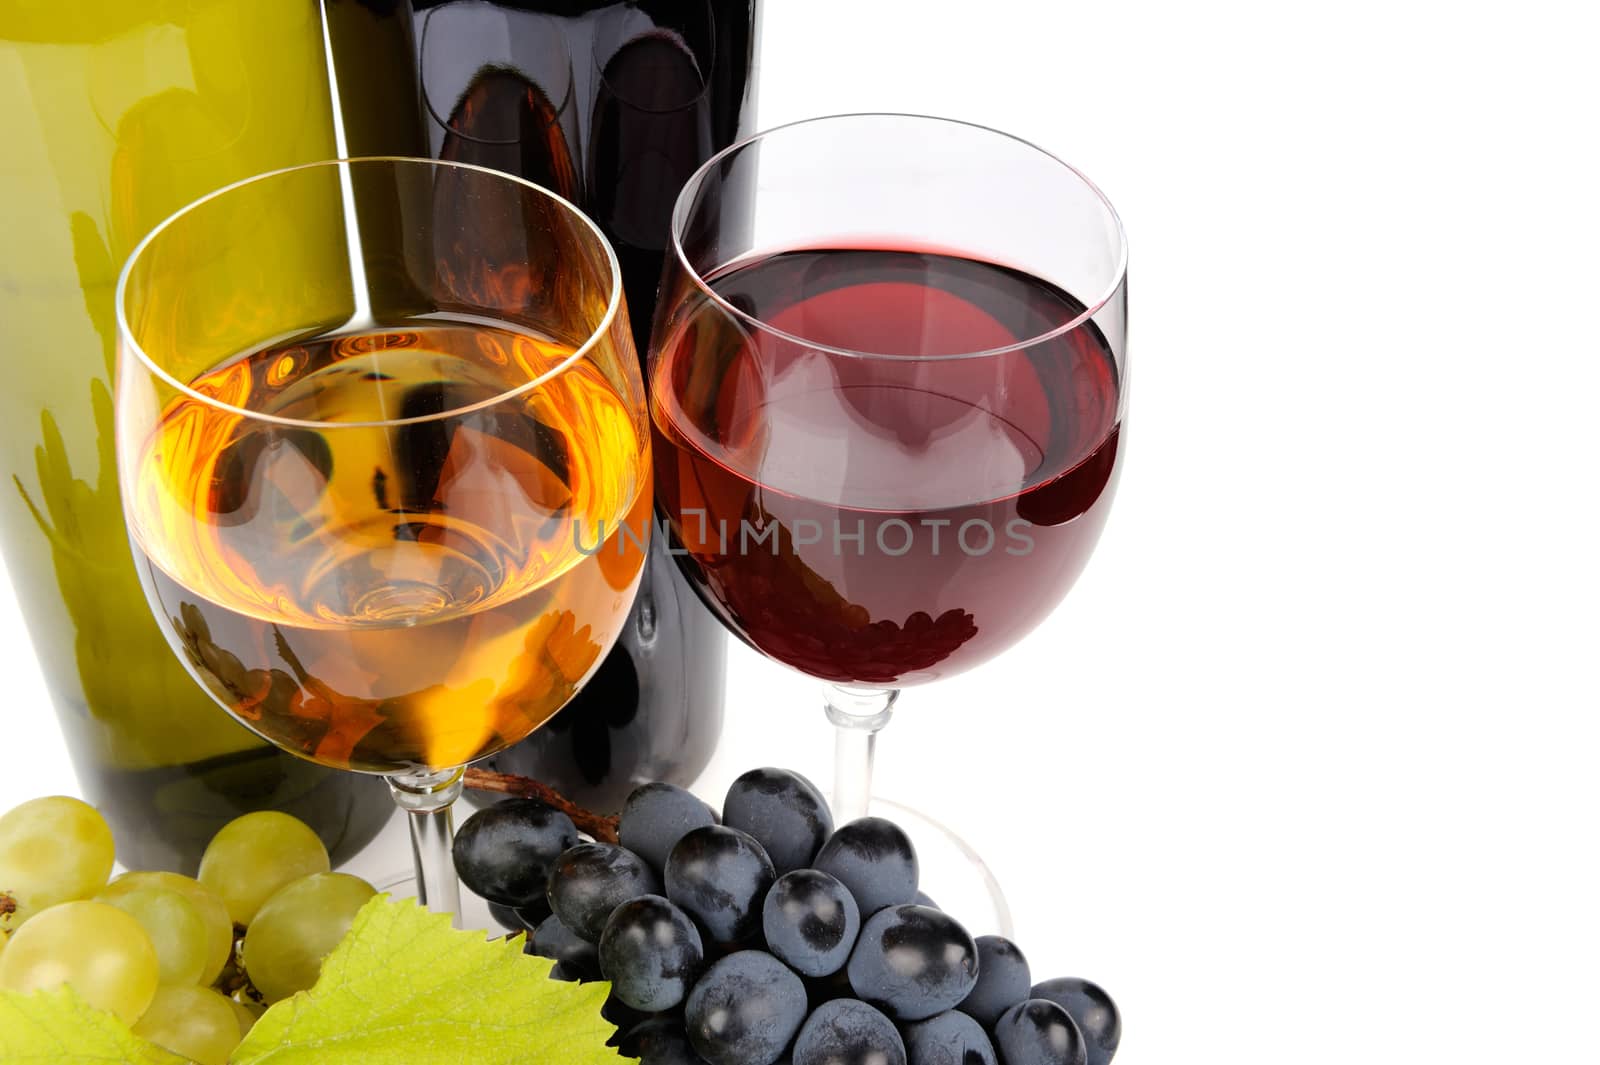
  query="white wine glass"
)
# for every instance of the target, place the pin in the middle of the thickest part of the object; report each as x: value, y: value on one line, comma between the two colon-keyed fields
x: 381, y: 442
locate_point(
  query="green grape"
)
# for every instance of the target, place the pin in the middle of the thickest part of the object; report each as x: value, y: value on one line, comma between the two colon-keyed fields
x: 245, y: 1015
x: 99, y: 950
x: 174, y: 925
x: 255, y: 855
x: 52, y: 850
x: 219, y: 926
x: 299, y: 927
x: 196, y: 1022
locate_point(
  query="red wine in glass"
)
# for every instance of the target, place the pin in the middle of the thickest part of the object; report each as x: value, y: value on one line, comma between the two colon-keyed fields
x: 891, y: 518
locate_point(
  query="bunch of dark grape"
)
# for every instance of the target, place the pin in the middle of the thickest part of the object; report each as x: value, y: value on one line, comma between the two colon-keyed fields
x: 767, y: 936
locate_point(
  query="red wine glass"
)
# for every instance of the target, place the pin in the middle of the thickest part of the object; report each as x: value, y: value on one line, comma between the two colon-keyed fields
x: 888, y: 380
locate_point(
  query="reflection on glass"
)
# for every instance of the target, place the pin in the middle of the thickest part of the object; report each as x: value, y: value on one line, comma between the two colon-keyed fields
x: 499, y: 91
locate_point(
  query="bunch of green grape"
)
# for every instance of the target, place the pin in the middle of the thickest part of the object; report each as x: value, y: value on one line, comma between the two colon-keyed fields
x: 189, y: 963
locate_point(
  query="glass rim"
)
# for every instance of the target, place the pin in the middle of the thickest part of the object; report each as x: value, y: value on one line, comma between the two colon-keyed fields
x: 126, y: 337
x: 696, y: 180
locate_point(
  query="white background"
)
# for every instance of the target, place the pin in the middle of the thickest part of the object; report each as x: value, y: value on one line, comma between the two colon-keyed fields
x: 1302, y: 771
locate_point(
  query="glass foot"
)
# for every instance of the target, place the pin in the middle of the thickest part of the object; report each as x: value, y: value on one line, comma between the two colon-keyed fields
x: 952, y: 873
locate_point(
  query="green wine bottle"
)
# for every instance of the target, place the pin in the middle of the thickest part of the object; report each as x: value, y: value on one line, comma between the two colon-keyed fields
x: 117, y: 113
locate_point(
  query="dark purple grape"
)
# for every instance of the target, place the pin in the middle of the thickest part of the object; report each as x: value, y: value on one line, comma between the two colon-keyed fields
x: 592, y: 879
x: 811, y: 921
x: 534, y: 913
x: 745, y: 1010
x: 720, y: 876
x: 651, y: 953
x: 783, y: 811
x: 1038, y: 1032
x: 570, y: 974
x: 847, y: 1032
x: 1003, y: 980
x: 505, y: 852
x: 875, y: 860
x: 521, y: 918
x: 625, y: 1019
x: 827, y: 988
x: 1091, y: 1009
x: 661, y: 1041
x: 506, y: 917
x: 952, y: 1038
x: 573, y: 954
x: 924, y: 899
x: 656, y: 817
x: 913, y: 962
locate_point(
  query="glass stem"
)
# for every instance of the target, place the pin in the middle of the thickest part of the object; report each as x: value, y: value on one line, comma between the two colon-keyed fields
x: 426, y: 795
x: 857, y: 715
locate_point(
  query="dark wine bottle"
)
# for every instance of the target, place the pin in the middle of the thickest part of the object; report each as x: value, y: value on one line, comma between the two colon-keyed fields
x: 613, y: 105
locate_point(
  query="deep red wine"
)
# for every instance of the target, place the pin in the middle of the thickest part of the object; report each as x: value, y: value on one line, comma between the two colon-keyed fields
x: 893, y: 519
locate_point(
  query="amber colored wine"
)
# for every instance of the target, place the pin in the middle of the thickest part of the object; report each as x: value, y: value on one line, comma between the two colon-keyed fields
x: 885, y: 520
x: 404, y: 566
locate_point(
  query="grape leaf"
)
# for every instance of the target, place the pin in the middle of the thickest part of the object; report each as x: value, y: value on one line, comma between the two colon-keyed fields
x: 59, y: 1028
x: 404, y: 987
